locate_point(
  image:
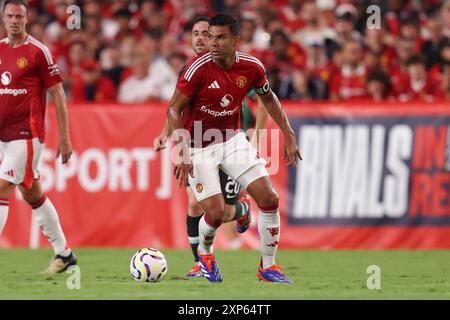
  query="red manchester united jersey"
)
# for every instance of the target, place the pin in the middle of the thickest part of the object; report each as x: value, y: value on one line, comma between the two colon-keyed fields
x: 216, y: 93
x: 25, y: 74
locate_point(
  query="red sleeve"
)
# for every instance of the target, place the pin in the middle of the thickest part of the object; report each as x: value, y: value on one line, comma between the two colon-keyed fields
x: 189, y: 79
x: 47, y: 68
x: 260, y: 83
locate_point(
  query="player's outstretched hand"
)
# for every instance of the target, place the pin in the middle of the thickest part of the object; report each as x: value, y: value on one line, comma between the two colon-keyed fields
x: 160, y: 143
x: 291, y: 150
x: 64, y: 149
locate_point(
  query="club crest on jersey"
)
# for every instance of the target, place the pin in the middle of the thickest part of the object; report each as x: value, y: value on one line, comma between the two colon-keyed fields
x: 22, y: 63
x: 226, y: 100
x: 199, y: 187
x: 241, y: 81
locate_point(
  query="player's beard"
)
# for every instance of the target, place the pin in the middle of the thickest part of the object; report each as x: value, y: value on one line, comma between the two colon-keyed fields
x: 199, y: 49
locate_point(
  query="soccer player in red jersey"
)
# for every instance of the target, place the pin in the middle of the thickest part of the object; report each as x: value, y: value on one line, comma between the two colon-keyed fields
x: 213, y: 85
x: 236, y: 208
x: 27, y: 71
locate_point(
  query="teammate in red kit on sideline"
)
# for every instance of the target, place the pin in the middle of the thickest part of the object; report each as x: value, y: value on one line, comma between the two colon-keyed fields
x: 213, y: 86
x: 27, y: 71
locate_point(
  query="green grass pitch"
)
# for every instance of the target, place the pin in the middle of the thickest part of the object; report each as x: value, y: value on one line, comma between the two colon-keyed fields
x: 317, y: 275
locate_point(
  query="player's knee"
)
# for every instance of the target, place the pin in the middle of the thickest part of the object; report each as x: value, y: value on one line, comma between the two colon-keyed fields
x: 194, y: 209
x: 270, y: 200
x: 31, y: 198
x: 6, y: 188
x: 229, y: 213
x: 216, y: 217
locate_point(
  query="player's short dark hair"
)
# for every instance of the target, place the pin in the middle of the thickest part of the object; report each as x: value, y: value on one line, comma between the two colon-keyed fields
x: 226, y: 20
x: 187, y: 27
x: 200, y: 19
x: 16, y: 2
x: 415, y: 59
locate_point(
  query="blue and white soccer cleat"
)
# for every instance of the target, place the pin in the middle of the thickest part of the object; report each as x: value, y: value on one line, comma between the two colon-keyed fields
x: 195, y: 271
x: 209, y: 267
x: 272, y: 274
x: 243, y: 223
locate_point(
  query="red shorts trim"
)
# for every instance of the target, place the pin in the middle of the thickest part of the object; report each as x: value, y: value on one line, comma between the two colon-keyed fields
x: 29, y: 174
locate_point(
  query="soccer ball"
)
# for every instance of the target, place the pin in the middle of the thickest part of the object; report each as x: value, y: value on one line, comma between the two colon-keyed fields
x: 148, y: 265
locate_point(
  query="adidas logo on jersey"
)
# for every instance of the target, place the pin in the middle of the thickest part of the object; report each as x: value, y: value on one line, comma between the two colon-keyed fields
x: 214, y: 85
x: 9, y: 173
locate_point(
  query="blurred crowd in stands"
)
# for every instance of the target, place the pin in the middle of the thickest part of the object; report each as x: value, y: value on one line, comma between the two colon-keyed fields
x: 131, y: 51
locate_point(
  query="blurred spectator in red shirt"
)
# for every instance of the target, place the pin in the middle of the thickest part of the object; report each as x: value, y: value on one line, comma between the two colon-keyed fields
x: 126, y: 48
x: 399, y: 72
x: 378, y: 85
x: 165, y: 77
x: 442, y: 56
x: 445, y: 15
x: 410, y: 29
x: 445, y: 51
x: 280, y: 60
x: 124, y: 19
x: 319, y: 69
x: 37, y: 30
x: 89, y: 85
x: 283, y: 51
x: 110, y: 63
x: 349, y: 82
x: 140, y: 85
x: 156, y: 23
x: 344, y: 31
x: 75, y: 56
x: 105, y: 11
x: 292, y: 16
x: 374, y: 42
x: 315, y: 28
x: 398, y: 10
x: 420, y: 85
x: 55, y: 27
x: 247, y: 43
x: 435, y: 39
x: 442, y: 91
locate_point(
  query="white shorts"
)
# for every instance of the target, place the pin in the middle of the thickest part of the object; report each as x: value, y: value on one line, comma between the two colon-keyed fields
x: 235, y: 157
x: 20, y: 161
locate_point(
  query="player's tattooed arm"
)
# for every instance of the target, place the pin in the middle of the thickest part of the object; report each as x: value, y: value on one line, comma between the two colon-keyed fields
x: 273, y: 106
x: 183, y: 165
x: 64, y: 144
